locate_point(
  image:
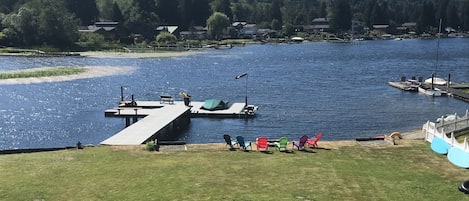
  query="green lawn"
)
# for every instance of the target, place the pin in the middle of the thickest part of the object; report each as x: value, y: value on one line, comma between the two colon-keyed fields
x: 41, y: 72
x: 354, y: 172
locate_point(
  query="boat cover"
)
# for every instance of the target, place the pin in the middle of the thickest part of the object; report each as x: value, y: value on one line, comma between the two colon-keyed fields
x: 436, y: 81
x: 214, y: 104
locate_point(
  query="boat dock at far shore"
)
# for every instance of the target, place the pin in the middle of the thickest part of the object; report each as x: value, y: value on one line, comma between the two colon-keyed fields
x: 455, y: 90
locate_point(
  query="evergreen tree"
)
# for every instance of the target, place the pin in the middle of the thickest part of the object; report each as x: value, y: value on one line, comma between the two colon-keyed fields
x: 117, y: 13
x: 242, y: 12
x: 427, y: 17
x: 141, y: 19
x: 452, y: 18
x: 341, y: 16
x: 168, y: 12
x: 465, y: 15
x: 185, y: 9
x: 202, y: 12
x: 222, y: 6
x: 85, y: 10
x: 105, y: 8
x: 378, y: 14
x: 275, y: 11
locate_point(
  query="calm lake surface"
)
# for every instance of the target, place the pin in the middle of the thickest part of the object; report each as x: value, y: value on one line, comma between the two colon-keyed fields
x: 339, y: 89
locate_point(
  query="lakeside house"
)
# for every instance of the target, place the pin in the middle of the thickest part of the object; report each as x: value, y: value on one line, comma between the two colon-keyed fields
x: 194, y: 33
x: 172, y: 29
x: 109, y: 30
x: 320, y: 25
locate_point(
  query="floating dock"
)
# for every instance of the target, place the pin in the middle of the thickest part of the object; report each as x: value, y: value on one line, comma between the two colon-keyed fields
x: 157, y: 120
x: 162, y: 117
x: 404, y: 85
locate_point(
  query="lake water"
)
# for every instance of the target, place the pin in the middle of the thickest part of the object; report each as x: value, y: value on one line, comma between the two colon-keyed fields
x: 339, y: 89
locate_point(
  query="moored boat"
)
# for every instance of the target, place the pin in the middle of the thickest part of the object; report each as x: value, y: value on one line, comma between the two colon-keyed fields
x: 429, y: 91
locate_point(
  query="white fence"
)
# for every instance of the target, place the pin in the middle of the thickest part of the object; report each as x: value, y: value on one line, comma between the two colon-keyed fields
x: 442, y: 128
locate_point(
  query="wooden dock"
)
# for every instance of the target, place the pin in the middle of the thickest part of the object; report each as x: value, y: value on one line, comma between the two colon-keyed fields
x: 406, y: 86
x: 161, y: 117
x: 458, y: 94
x: 155, y: 121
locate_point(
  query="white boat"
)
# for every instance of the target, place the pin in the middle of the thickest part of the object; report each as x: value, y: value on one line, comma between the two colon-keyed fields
x: 430, y: 91
x: 436, y: 81
x: 251, y: 110
x: 297, y: 39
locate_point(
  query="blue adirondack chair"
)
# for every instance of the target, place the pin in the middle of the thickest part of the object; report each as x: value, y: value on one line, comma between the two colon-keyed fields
x: 243, y: 144
x: 229, y: 142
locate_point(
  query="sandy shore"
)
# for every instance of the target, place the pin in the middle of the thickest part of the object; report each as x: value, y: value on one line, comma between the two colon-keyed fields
x: 91, y: 72
x: 101, y: 54
x: 98, y: 71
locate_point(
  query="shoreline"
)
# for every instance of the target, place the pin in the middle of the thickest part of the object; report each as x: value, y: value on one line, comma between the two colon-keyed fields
x: 408, y: 138
x: 91, y: 72
x: 136, y: 55
x: 94, y: 71
x: 109, y: 54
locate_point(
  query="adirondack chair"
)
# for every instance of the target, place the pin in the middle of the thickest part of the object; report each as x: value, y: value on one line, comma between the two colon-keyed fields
x: 313, y: 142
x: 229, y: 142
x: 243, y: 144
x: 262, y: 143
x: 300, y: 144
x: 282, y: 143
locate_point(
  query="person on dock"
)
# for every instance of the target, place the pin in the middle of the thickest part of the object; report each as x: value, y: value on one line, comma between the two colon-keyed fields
x: 187, y: 98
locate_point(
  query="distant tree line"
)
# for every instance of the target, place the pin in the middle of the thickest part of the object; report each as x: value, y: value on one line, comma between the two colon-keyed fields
x: 56, y: 22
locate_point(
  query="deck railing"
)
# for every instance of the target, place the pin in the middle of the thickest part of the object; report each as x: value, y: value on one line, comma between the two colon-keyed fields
x: 443, y: 128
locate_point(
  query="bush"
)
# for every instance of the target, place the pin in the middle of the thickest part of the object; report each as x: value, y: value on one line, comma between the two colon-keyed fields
x: 166, y: 38
x: 150, y: 146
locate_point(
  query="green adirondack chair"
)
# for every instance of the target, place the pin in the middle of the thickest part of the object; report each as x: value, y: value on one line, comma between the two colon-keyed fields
x: 282, y: 143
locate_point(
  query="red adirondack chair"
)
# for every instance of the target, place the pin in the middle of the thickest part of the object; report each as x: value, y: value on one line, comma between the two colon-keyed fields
x: 262, y: 143
x: 313, y: 142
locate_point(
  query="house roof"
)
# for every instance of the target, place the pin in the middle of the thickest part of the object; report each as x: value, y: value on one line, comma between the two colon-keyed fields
x: 93, y: 28
x: 321, y: 19
x: 320, y: 26
x: 409, y: 24
x: 193, y: 33
x: 106, y: 24
x: 235, y: 24
x: 171, y: 29
x: 380, y: 26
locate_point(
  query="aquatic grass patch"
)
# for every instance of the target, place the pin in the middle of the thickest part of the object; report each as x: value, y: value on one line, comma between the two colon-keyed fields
x: 41, y: 72
x: 340, y: 173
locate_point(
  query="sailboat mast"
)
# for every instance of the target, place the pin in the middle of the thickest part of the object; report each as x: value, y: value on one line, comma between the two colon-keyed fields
x: 437, y: 52
x: 438, y: 47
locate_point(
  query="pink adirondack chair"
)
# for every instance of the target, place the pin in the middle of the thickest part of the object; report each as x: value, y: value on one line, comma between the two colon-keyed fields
x: 313, y: 142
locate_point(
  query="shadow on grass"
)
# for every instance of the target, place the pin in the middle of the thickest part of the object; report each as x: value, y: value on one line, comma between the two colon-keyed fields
x: 266, y: 151
x: 287, y: 151
x: 307, y: 151
x: 323, y: 148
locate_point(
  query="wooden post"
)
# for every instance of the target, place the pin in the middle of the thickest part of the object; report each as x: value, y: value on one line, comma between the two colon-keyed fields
x: 136, y: 116
x: 455, y: 121
x: 127, y: 121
